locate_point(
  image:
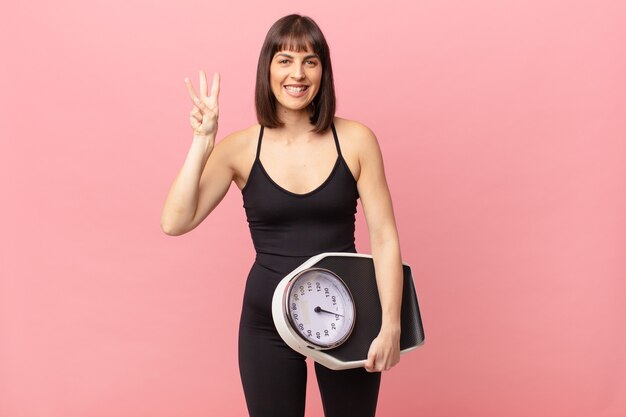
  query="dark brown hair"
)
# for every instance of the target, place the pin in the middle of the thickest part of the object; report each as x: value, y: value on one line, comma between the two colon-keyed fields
x: 295, y: 33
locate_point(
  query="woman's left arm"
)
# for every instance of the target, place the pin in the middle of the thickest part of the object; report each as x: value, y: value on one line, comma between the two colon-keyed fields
x: 384, y: 351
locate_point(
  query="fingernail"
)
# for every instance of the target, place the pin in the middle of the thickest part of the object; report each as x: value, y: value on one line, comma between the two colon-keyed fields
x: 197, y: 100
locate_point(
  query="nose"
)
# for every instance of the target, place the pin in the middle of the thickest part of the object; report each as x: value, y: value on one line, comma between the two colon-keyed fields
x: 297, y: 73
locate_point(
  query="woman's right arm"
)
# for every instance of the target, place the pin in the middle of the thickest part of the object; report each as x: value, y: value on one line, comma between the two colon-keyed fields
x: 206, y: 174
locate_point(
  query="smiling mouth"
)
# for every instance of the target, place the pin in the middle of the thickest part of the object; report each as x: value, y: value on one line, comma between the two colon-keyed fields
x: 296, y: 89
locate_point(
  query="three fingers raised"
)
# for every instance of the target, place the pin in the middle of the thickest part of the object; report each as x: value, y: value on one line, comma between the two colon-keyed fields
x: 202, y: 100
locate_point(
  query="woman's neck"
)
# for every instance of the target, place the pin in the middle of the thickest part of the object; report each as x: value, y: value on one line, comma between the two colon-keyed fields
x: 295, y: 121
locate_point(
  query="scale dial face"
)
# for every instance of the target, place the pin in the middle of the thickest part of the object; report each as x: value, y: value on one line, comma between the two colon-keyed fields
x: 320, y: 308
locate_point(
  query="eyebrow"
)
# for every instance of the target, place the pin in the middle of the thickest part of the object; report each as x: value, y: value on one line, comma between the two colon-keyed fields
x: 291, y: 56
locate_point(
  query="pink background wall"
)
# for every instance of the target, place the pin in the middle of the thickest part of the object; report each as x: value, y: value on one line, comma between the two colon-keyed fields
x: 503, y: 128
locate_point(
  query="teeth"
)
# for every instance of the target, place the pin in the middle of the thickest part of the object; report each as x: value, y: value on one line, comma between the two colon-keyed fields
x: 295, y: 89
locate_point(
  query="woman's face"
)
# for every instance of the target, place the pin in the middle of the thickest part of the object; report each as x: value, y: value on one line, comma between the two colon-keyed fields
x: 295, y: 78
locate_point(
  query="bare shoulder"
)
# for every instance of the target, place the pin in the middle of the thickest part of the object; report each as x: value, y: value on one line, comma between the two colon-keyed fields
x: 238, y: 141
x: 237, y: 152
x: 234, y: 149
x: 356, y: 134
x: 358, y: 140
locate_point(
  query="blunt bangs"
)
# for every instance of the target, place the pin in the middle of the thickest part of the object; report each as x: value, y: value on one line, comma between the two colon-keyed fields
x: 295, y: 42
x: 298, y: 34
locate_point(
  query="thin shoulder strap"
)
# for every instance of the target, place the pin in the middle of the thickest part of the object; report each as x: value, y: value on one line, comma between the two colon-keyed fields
x: 258, y: 146
x: 332, y: 126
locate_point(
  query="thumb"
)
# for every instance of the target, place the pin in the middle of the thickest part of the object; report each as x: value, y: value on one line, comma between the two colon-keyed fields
x: 370, y: 362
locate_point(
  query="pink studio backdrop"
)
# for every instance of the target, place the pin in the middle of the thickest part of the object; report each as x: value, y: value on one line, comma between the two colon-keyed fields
x: 502, y: 124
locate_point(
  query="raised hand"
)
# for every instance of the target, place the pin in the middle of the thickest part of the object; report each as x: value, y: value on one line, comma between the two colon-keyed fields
x: 203, y: 117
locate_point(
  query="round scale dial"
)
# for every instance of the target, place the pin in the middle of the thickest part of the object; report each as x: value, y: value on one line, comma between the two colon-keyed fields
x: 320, y: 308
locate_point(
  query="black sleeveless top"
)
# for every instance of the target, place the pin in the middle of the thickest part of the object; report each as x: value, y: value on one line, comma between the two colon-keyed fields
x: 289, y: 224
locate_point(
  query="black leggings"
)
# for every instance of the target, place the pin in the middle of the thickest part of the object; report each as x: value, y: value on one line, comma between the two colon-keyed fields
x: 274, y: 375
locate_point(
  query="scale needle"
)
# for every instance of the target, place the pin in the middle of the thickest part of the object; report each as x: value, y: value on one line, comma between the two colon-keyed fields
x: 318, y: 309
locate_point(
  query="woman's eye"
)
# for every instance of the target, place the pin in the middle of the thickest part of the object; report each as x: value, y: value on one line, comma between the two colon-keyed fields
x: 311, y: 63
x: 283, y: 61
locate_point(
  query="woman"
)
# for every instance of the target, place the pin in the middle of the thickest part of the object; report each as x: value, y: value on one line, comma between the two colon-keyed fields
x: 300, y: 171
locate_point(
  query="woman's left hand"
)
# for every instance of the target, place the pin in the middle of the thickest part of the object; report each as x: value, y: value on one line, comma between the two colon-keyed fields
x: 384, y: 351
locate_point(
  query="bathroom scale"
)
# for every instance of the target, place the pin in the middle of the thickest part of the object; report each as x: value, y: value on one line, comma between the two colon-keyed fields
x: 328, y: 309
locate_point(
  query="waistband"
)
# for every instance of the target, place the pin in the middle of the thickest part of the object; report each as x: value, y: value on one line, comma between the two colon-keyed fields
x: 284, y: 264
x: 279, y: 263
